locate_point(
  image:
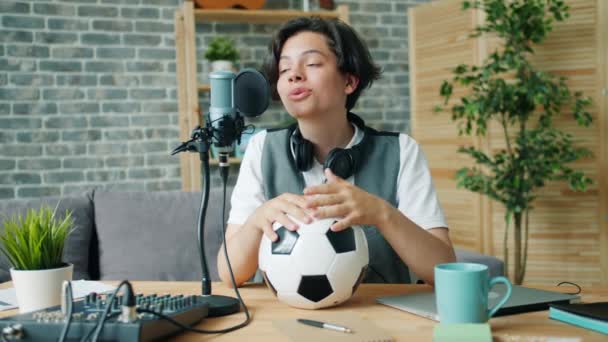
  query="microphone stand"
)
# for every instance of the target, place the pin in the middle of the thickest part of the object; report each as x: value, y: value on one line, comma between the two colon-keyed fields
x: 200, y: 142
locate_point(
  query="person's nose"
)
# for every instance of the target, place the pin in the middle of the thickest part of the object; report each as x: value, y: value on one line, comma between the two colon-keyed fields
x: 295, y: 74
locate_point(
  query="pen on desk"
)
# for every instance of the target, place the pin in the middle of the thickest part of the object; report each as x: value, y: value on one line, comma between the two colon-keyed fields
x: 324, y: 325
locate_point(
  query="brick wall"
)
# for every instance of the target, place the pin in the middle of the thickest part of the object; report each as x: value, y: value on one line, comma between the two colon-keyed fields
x: 88, y: 94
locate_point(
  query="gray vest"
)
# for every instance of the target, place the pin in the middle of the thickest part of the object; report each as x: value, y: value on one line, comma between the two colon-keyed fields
x: 377, y: 175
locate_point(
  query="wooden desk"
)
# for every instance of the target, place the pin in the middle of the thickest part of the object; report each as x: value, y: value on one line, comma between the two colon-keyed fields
x: 264, y: 307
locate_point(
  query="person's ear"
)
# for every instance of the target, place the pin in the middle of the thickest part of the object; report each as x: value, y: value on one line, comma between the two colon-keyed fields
x: 352, y: 82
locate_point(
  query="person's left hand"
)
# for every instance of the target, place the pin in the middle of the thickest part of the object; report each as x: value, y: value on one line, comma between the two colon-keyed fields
x: 339, y: 198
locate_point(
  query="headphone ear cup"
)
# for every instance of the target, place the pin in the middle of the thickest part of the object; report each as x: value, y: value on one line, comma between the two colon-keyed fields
x: 303, y: 152
x: 341, y: 162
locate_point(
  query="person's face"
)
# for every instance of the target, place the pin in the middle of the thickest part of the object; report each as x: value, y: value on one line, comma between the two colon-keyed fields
x: 309, y: 82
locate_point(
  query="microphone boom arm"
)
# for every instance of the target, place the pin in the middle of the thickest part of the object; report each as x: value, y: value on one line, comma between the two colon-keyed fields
x: 200, y: 142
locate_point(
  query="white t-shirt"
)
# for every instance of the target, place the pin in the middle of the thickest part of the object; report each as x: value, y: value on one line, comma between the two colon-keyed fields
x: 416, y: 197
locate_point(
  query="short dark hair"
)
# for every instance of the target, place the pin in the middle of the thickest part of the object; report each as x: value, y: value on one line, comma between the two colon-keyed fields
x: 352, y: 55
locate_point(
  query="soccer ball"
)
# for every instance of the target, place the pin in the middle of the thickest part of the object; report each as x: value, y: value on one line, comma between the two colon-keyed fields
x: 314, y: 267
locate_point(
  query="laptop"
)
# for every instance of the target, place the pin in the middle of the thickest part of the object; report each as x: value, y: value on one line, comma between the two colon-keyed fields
x: 523, y: 299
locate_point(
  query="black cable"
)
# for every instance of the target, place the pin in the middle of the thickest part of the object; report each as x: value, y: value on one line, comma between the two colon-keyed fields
x: 570, y: 283
x: 204, y: 141
x: 70, y: 306
x: 189, y: 328
x: 236, y: 289
x: 378, y: 273
x: 101, y: 321
x: 88, y: 335
x: 206, y: 279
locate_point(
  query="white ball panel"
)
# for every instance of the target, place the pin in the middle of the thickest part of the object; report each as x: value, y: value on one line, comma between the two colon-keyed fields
x: 345, y: 269
x: 362, y: 247
x: 265, y: 253
x: 338, y: 297
x: 295, y: 300
x: 344, y: 272
x: 282, y: 273
x: 313, y: 254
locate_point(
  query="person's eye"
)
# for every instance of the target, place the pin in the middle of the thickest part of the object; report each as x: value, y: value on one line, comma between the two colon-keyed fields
x: 282, y: 71
x: 314, y: 64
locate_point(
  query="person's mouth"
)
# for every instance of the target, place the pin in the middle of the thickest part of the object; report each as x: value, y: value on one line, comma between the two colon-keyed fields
x: 299, y: 94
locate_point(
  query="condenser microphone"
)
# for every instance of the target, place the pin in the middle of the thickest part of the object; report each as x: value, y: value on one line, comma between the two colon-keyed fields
x: 233, y: 97
x: 222, y: 113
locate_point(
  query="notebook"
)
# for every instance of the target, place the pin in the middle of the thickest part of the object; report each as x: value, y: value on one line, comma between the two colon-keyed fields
x: 592, y: 316
x: 523, y: 299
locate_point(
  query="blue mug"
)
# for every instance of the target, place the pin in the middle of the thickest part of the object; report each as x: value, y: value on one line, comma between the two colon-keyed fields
x: 461, y: 292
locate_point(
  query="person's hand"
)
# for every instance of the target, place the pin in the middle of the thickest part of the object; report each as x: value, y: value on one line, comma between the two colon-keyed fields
x: 276, y: 210
x: 339, y: 198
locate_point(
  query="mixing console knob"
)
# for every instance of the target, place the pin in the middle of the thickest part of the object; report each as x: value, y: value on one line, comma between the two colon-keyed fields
x: 12, y: 332
x: 90, y: 298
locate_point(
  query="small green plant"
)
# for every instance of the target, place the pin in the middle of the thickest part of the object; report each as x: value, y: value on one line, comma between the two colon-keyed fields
x: 36, y: 242
x: 222, y: 48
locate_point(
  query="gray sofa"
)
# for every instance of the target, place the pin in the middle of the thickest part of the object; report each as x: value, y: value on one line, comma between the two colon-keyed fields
x: 146, y: 235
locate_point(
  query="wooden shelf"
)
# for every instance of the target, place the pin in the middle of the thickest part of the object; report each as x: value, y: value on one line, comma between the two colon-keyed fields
x: 231, y: 161
x: 256, y: 16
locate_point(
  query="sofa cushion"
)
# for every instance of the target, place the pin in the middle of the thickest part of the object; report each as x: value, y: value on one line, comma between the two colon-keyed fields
x: 153, y: 235
x: 76, y: 249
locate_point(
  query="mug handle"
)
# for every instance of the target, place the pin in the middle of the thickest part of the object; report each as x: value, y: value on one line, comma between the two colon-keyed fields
x: 504, y: 299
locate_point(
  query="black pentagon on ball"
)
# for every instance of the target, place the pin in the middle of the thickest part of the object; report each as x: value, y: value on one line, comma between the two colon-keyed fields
x: 315, y: 287
x: 342, y: 241
x: 286, y: 241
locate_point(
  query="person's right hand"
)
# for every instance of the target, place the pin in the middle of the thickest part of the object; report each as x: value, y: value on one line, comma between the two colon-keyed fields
x: 276, y: 210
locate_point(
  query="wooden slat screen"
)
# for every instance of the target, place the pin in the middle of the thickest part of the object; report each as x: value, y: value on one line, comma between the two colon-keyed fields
x: 568, y: 230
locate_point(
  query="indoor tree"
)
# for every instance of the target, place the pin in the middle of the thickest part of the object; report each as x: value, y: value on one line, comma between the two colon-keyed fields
x: 509, y: 90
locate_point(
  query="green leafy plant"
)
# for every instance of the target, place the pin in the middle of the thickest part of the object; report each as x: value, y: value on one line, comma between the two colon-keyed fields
x: 222, y: 48
x: 509, y: 90
x: 36, y: 242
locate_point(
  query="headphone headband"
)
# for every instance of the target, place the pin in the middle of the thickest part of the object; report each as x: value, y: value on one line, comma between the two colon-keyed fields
x: 342, y: 162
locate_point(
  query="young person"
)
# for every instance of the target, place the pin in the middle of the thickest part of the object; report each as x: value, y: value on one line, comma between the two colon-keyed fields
x: 318, y: 69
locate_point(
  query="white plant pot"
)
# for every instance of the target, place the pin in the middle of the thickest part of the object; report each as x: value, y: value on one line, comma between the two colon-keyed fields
x: 222, y: 66
x: 39, y: 289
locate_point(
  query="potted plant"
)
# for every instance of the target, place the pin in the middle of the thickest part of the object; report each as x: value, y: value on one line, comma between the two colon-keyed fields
x: 222, y: 54
x: 34, y: 247
x: 507, y: 89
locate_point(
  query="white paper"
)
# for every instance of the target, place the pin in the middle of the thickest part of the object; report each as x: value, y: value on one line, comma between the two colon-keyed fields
x: 8, y: 299
x: 80, y: 288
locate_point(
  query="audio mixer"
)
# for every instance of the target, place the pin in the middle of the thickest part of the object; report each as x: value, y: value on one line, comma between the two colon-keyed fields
x: 47, y: 324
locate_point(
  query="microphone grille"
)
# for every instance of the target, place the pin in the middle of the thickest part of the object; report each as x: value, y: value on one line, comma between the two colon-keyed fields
x: 251, y: 93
